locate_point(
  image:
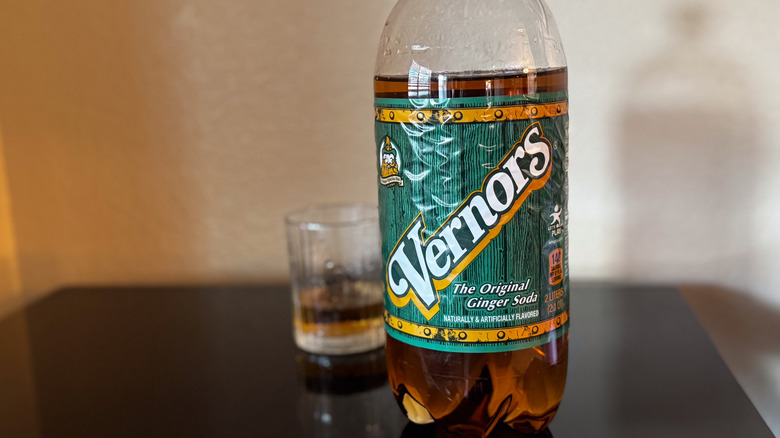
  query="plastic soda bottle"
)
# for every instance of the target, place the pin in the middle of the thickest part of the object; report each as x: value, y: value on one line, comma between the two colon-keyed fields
x: 471, y: 134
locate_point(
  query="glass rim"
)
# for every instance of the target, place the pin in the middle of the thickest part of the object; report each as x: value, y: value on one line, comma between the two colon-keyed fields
x: 304, y: 217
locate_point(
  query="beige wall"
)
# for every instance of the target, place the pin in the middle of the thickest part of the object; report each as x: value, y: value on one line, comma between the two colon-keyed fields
x: 163, y: 141
x: 153, y: 141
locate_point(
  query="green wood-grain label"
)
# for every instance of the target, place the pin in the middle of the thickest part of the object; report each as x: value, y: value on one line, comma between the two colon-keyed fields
x: 473, y: 212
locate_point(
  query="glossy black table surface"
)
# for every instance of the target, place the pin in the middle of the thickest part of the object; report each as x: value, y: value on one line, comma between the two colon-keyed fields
x: 220, y: 362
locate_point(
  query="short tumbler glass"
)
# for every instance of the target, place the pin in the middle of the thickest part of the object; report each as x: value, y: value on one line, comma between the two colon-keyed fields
x: 336, y: 268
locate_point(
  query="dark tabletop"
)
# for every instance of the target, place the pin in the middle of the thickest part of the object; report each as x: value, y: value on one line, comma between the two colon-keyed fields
x: 220, y: 362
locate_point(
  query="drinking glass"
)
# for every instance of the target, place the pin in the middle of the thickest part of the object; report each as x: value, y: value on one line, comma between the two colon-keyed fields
x: 335, y: 267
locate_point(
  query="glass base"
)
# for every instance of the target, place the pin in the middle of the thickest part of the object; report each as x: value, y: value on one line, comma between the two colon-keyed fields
x: 347, y: 344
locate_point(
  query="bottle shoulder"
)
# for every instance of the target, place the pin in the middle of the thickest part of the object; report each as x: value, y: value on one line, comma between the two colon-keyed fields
x: 469, y: 36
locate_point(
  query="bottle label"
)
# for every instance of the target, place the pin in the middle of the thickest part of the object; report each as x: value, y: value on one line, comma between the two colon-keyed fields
x: 473, y: 212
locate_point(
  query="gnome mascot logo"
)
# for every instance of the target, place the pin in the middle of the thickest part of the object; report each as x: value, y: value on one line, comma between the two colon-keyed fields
x: 389, y: 164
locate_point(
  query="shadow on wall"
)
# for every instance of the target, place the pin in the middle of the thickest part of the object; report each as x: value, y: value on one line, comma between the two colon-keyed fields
x: 687, y: 154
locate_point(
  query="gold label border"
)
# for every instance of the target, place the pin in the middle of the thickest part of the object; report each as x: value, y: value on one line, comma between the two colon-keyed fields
x: 477, y: 335
x: 471, y: 115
